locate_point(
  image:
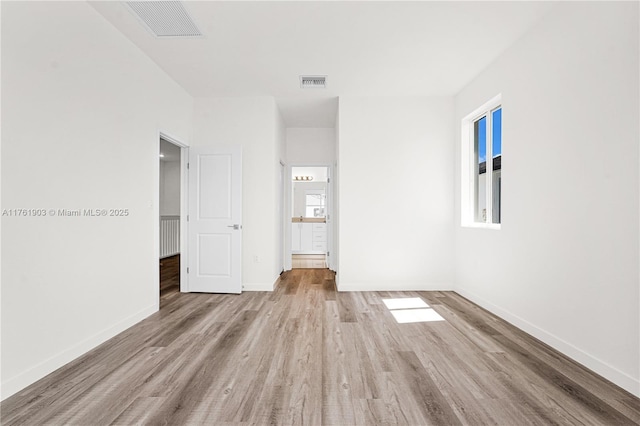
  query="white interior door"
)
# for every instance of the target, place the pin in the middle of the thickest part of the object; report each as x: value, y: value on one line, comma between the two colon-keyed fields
x: 215, y: 220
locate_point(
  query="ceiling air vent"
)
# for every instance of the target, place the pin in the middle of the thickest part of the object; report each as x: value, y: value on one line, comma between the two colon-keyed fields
x: 165, y: 18
x: 313, y: 81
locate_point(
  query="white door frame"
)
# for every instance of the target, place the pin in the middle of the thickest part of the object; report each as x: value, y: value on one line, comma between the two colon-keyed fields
x: 286, y: 219
x: 282, y: 209
x: 184, y: 182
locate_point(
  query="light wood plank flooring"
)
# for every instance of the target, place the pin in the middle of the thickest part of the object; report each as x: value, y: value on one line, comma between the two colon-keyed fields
x: 308, y: 261
x: 305, y: 354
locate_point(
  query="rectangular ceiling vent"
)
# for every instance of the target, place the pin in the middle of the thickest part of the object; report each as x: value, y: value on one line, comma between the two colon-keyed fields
x: 165, y: 18
x: 313, y: 81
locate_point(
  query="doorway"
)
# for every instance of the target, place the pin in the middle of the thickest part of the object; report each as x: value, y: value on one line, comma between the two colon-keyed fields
x: 310, y: 222
x: 170, y: 214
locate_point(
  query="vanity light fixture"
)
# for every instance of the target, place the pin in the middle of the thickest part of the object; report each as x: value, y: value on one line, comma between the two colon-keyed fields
x: 303, y: 178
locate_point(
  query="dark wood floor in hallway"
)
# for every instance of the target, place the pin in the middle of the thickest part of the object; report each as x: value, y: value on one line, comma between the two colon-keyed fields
x: 169, y: 277
x: 306, y: 354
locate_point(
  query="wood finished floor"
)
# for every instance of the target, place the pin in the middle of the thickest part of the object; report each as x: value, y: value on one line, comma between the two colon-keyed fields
x: 305, y: 354
x: 169, y: 276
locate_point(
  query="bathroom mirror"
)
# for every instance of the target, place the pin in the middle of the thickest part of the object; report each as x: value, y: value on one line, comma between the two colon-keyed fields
x: 309, y: 192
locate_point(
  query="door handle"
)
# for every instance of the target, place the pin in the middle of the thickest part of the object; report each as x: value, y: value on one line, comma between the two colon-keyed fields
x: 235, y: 227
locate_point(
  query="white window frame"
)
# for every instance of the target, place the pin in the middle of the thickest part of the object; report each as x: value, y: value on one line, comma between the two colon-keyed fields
x: 468, y: 160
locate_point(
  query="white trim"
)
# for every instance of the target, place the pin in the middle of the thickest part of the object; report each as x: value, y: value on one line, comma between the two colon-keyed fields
x: 286, y: 218
x: 480, y: 225
x: 184, y: 223
x: 282, y: 171
x: 395, y: 286
x: 258, y: 287
x: 40, y: 370
x: 600, y: 367
x: 332, y: 230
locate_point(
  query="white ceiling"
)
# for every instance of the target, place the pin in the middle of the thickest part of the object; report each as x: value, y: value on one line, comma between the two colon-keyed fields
x: 365, y: 48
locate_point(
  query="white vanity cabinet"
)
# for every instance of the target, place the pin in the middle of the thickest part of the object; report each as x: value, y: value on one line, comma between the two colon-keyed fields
x: 308, y: 238
x: 296, y: 234
x: 319, y: 237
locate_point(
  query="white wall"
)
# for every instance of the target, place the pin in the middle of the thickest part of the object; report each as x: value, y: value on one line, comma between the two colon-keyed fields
x: 81, y: 112
x: 311, y: 146
x: 564, y: 267
x: 395, y: 193
x: 169, y: 188
x: 224, y: 121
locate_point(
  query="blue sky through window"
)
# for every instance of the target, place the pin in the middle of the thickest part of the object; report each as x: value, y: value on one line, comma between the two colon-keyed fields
x: 496, y: 118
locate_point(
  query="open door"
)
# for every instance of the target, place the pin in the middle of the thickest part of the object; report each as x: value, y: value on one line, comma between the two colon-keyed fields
x: 329, y: 219
x: 215, y: 220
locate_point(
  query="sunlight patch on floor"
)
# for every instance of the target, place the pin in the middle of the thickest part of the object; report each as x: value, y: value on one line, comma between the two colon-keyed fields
x: 410, y: 310
x: 405, y: 303
x: 404, y: 316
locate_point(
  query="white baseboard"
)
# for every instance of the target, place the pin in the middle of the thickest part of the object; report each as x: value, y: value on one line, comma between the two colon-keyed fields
x: 395, y: 286
x: 16, y: 383
x: 257, y: 287
x: 607, y: 371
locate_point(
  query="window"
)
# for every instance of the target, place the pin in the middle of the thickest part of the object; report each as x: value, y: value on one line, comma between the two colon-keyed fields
x: 482, y: 166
